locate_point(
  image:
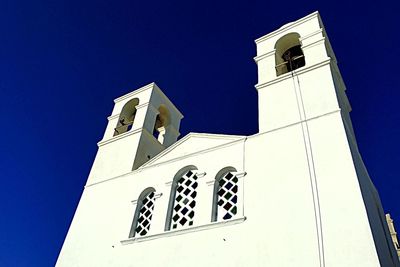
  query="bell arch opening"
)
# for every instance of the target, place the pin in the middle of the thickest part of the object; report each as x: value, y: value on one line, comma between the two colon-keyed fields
x: 288, y: 54
x: 161, y: 123
x: 126, y: 117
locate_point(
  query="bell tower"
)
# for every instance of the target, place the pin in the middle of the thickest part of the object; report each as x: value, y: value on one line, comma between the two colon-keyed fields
x: 142, y: 124
x: 296, y: 67
x: 301, y: 91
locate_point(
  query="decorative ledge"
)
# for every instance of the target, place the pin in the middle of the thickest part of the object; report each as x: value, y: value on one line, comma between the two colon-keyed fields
x: 321, y: 40
x: 240, y: 174
x: 120, y: 136
x: 134, y: 202
x: 311, y: 35
x: 262, y: 56
x: 183, y: 231
x: 201, y: 175
x: 131, y: 94
x: 237, y: 174
x: 290, y: 74
x: 287, y: 27
x: 115, y: 116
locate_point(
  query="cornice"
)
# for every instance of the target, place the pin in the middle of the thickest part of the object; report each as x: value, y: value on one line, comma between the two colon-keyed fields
x: 272, y: 52
x: 310, y: 35
x: 288, y: 75
x: 137, y: 107
x: 120, y: 136
x: 111, y: 117
x: 129, y: 95
x: 268, y: 54
x: 243, y: 138
x: 193, y: 154
x: 145, y: 166
x: 153, y: 86
x: 287, y: 27
x: 147, y: 105
x: 185, y: 138
x: 183, y: 231
x: 294, y: 123
x: 313, y: 43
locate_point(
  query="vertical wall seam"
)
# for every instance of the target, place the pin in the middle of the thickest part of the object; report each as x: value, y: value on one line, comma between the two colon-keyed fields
x: 311, y: 169
x: 243, y: 166
x: 314, y: 172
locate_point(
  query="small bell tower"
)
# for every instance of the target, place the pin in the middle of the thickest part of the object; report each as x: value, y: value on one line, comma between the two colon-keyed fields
x: 142, y: 124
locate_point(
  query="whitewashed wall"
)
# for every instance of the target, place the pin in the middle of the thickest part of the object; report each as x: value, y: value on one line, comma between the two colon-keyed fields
x: 304, y: 199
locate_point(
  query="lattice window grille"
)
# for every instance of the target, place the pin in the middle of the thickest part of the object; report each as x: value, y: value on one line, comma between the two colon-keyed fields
x: 227, y: 197
x: 145, y: 215
x: 184, y: 203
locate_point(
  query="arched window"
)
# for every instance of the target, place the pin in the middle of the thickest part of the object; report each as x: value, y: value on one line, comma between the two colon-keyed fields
x: 143, y: 214
x: 225, y: 195
x: 162, y: 121
x: 183, y: 199
x: 126, y: 117
x: 288, y: 54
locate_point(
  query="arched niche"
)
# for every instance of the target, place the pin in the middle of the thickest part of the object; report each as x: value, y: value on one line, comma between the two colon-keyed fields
x: 126, y: 117
x: 162, y: 121
x: 288, y: 54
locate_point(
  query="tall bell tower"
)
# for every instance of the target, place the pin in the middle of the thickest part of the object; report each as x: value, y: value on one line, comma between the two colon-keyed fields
x: 142, y: 124
x: 300, y: 86
x: 296, y: 66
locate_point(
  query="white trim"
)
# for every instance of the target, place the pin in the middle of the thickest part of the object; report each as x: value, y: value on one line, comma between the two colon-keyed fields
x: 152, y: 86
x: 141, y: 89
x: 183, y: 231
x: 310, y: 35
x: 187, y: 137
x: 287, y: 27
x: 240, y: 174
x: 143, y: 105
x: 213, y: 148
x: 296, y: 123
x: 111, y: 117
x: 201, y: 175
x: 237, y: 174
x: 119, y: 136
x: 149, y: 106
x: 301, y: 39
x: 267, y: 54
x: 194, y: 153
x: 211, y: 182
x: 134, y: 202
x: 313, y: 43
x: 288, y: 75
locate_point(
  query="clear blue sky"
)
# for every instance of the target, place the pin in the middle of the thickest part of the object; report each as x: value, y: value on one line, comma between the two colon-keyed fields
x: 63, y: 62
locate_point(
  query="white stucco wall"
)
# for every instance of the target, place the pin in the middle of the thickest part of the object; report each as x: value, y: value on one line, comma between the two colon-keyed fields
x: 275, y: 198
x: 304, y: 199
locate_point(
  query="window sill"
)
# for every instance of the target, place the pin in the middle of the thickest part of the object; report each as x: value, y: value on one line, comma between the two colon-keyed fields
x: 183, y: 231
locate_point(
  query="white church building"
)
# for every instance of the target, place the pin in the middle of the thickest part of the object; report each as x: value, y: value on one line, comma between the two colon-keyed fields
x: 296, y: 193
